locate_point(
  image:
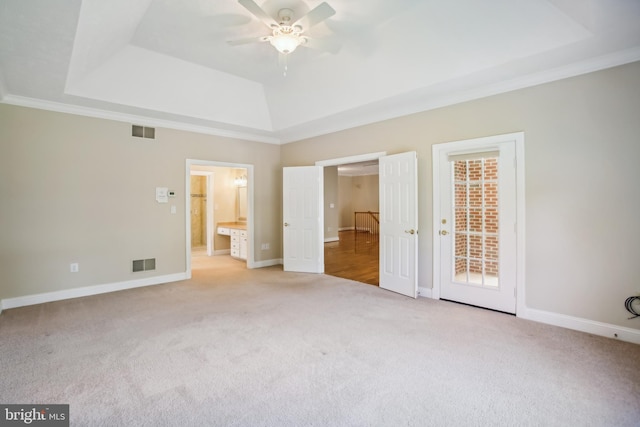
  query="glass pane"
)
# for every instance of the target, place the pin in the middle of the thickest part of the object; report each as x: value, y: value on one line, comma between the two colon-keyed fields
x: 491, y: 194
x: 491, y: 168
x: 461, y: 194
x: 475, y: 220
x: 461, y: 270
x: 491, y: 221
x: 475, y: 170
x: 475, y: 247
x: 491, y: 273
x: 461, y: 245
x: 491, y: 247
x: 475, y: 194
x: 461, y: 219
x: 475, y: 271
x: 460, y: 170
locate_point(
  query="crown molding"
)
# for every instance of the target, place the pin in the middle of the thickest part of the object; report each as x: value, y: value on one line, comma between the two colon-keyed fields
x: 426, y: 99
x: 416, y: 101
x: 59, y: 107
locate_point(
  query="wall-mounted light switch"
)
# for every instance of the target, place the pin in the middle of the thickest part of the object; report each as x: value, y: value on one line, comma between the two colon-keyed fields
x: 173, y: 209
x: 74, y: 267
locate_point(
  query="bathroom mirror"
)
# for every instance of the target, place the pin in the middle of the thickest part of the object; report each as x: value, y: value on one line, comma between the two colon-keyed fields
x: 242, y: 203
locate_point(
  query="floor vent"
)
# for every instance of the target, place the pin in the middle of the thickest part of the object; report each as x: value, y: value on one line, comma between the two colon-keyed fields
x: 143, y: 132
x: 143, y: 264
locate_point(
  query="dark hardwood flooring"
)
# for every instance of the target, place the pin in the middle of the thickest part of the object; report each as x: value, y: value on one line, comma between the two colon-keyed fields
x: 355, y: 256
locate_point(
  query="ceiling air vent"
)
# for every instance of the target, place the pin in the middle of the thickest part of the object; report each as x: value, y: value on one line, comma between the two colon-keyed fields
x: 143, y: 132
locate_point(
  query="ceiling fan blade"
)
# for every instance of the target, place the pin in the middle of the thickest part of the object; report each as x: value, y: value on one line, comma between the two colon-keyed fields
x: 324, y: 45
x: 315, y: 16
x: 257, y: 11
x: 247, y: 41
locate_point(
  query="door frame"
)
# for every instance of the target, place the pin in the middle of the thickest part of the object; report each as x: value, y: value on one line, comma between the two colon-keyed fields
x: 250, y: 187
x: 472, y: 145
x: 345, y: 161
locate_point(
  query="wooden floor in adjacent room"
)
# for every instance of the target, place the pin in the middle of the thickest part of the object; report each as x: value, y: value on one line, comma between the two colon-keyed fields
x: 355, y: 256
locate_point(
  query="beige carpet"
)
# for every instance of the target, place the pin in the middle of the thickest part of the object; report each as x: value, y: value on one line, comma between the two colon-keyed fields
x: 237, y: 347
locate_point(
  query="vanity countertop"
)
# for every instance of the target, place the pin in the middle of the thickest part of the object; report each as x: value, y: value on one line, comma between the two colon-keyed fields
x: 236, y: 225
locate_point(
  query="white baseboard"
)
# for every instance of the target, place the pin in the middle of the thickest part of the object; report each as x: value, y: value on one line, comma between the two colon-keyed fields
x: 345, y: 228
x: 267, y: 263
x: 424, y: 292
x: 562, y: 320
x: 88, y: 290
x: 222, y: 252
x: 331, y: 239
x: 585, y: 325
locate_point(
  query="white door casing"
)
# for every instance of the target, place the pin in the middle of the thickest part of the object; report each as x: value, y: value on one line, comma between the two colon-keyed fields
x: 399, y: 223
x: 496, y: 291
x: 303, y: 218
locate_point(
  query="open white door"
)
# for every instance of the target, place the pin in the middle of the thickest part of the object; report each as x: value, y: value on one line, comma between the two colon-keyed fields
x: 399, y: 223
x: 303, y: 217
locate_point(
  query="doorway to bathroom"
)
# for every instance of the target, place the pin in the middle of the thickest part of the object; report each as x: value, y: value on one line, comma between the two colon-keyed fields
x: 219, y: 211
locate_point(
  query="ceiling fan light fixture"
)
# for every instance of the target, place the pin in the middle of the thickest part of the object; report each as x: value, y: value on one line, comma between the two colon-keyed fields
x: 286, y: 39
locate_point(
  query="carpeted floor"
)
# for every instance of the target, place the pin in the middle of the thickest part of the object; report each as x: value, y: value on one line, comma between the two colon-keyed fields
x: 237, y: 347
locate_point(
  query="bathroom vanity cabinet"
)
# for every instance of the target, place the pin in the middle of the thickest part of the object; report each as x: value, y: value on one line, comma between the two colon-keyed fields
x: 237, y: 231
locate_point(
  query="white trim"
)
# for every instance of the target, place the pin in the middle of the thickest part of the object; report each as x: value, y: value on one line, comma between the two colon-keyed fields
x: 419, y: 100
x: 267, y: 263
x: 222, y: 252
x: 351, y: 159
x: 23, y: 101
x: 346, y: 228
x: 579, y: 324
x: 425, y: 292
x: 331, y: 239
x: 468, y: 145
x: 89, y: 290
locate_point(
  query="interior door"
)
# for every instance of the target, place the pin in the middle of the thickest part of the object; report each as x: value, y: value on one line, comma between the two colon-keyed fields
x: 303, y: 218
x: 399, y: 223
x: 477, y: 232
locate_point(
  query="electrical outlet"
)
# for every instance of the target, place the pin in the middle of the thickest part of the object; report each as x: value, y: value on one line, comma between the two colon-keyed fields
x: 265, y: 246
x: 74, y: 267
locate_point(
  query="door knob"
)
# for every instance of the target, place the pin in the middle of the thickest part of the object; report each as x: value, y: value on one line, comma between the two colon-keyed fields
x: 443, y: 232
x: 412, y: 231
x: 286, y: 224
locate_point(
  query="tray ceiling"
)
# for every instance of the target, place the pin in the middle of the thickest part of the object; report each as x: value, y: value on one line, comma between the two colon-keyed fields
x: 167, y: 62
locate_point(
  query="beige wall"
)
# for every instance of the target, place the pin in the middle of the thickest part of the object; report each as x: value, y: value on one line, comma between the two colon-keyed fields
x: 331, y: 214
x: 79, y: 189
x: 365, y: 193
x: 345, y: 185
x: 357, y: 194
x: 582, y: 144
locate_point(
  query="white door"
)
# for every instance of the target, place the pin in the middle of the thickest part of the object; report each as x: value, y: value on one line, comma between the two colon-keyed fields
x: 477, y: 224
x: 303, y: 218
x: 399, y: 223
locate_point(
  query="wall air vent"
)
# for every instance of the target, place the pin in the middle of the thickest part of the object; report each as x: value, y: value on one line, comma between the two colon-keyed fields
x: 143, y: 132
x: 143, y: 264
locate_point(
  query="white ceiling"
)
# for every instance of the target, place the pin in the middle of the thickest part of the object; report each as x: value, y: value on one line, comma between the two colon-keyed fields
x: 167, y: 63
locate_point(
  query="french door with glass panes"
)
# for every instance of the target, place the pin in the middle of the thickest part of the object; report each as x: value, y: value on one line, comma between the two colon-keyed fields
x: 477, y: 226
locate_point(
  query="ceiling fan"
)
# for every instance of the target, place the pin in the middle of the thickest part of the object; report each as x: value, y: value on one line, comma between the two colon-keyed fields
x: 286, y: 35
